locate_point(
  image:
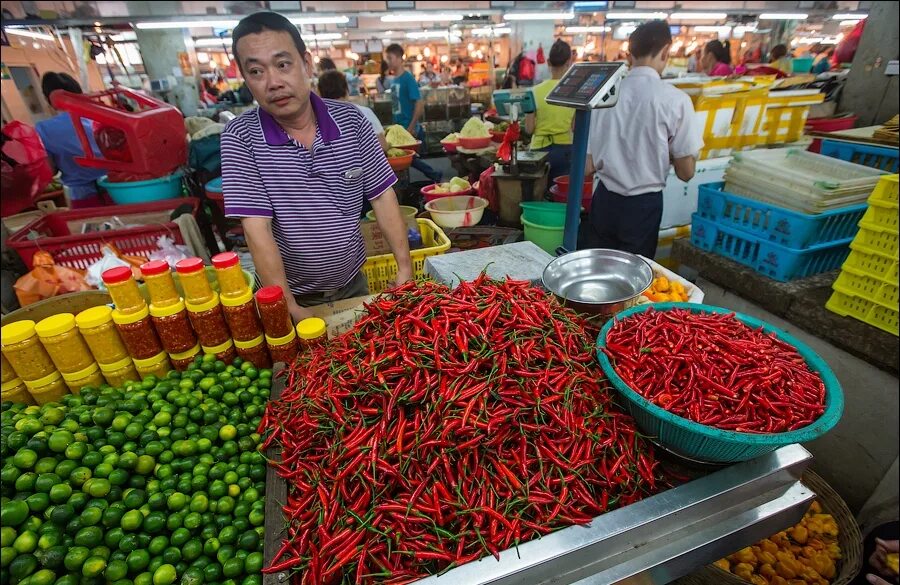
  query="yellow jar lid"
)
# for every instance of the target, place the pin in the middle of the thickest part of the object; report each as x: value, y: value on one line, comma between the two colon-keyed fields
x: 11, y: 385
x: 276, y: 341
x: 16, y: 332
x: 122, y: 363
x: 311, y: 328
x: 93, y: 317
x: 201, y: 307
x: 248, y: 344
x: 127, y: 319
x: 80, y: 374
x: 242, y: 298
x: 217, y: 349
x: 151, y: 362
x: 46, y: 380
x: 55, y: 325
x: 168, y: 310
x: 186, y: 354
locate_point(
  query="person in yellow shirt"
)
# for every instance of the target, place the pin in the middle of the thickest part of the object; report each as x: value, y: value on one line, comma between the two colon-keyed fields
x: 780, y: 58
x: 551, y: 126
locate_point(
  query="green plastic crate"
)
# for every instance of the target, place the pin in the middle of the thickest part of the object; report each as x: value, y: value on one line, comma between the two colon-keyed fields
x: 704, y: 443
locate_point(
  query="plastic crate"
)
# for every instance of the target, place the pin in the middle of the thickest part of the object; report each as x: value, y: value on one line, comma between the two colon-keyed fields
x: 870, y: 262
x: 883, y: 158
x: 382, y: 270
x: 877, y: 240
x: 887, y: 190
x: 767, y: 258
x: 864, y: 310
x: 881, y: 215
x: 76, y: 250
x: 704, y: 443
x: 864, y: 285
x: 776, y: 224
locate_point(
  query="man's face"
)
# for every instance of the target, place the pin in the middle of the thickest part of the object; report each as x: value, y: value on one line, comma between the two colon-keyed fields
x: 394, y: 62
x: 275, y: 71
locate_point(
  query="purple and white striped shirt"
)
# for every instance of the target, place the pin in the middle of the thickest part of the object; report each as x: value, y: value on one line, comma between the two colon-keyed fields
x: 314, y: 197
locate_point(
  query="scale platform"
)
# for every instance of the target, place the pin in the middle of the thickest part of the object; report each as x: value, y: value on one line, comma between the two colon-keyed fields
x: 529, y: 162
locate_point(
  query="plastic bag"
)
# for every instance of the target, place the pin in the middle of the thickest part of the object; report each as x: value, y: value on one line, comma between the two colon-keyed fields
x: 109, y: 260
x: 47, y: 280
x: 24, y: 167
x: 169, y: 251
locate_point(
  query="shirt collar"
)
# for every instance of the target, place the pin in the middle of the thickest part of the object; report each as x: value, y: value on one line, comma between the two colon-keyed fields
x: 275, y: 135
x: 644, y: 71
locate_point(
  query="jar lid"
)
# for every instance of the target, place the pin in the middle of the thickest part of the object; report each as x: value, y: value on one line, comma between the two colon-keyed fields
x: 122, y: 363
x: 248, y: 344
x: 278, y: 341
x: 55, y: 325
x: 16, y: 332
x: 48, y: 379
x: 269, y: 294
x: 80, y: 374
x: 225, y: 260
x: 311, y: 328
x: 151, y: 362
x: 126, y: 319
x: 10, y: 385
x: 154, y: 267
x: 168, y: 310
x: 116, y: 275
x: 94, y: 317
x: 189, y: 265
x: 236, y: 301
x: 186, y: 354
x: 217, y: 349
x: 202, y: 307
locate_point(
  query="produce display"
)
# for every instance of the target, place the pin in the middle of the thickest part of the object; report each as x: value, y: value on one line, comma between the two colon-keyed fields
x: 663, y: 290
x: 474, y: 128
x: 805, y: 553
x: 714, y: 370
x: 454, y: 185
x: 451, y: 138
x: 156, y: 482
x: 397, y: 135
x: 397, y: 152
x: 500, y: 127
x: 447, y: 425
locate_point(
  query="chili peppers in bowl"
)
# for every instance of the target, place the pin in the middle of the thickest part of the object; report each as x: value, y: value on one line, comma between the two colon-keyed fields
x: 717, y: 385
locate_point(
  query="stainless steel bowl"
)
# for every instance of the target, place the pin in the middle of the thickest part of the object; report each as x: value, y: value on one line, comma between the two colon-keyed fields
x: 598, y: 281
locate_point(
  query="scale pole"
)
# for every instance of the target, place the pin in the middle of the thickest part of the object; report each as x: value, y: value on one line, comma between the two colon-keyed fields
x: 576, y: 178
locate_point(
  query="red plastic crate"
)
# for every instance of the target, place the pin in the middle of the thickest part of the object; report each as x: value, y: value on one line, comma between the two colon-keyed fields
x: 82, y: 250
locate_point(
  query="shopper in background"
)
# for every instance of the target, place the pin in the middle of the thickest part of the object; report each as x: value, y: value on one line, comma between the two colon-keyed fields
x: 633, y: 145
x: 407, y: 104
x: 333, y: 86
x: 62, y: 145
x: 446, y: 75
x: 780, y: 59
x: 326, y: 64
x: 383, y: 83
x: 295, y: 171
x: 551, y: 126
x: 428, y: 75
x: 716, y: 60
x: 822, y: 62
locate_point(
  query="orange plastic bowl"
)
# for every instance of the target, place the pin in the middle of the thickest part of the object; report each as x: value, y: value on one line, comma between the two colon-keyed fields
x: 401, y: 163
x: 475, y: 143
x: 429, y: 195
x: 562, y: 184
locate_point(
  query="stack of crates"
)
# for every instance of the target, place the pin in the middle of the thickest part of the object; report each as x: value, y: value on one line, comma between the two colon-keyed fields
x: 867, y: 288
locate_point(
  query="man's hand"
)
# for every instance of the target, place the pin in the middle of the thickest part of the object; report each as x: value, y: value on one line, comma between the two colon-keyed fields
x: 878, y: 560
x: 298, y: 313
x: 411, y: 129
x: 403, y: 276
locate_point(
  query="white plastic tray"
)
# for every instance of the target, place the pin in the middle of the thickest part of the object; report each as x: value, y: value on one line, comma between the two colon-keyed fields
x: 807, y: 168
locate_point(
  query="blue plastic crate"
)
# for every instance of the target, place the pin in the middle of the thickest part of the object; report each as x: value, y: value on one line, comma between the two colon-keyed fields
x: 705, y: 443
x: 775, y: 224
x: 767, y: 258
x: 878, y: 157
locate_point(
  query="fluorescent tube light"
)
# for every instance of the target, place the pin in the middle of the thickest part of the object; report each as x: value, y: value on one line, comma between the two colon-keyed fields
x: 637, y: 15
x: 783, y: 16
x: 486, y: 32
x: 849, y: 16
x: 319, y: 19
x: 30, y: 34
x: 186, y: 24
x: 422, y: 17
x: 698, y: 16
x: 587, y: 29
x: 539, y: 15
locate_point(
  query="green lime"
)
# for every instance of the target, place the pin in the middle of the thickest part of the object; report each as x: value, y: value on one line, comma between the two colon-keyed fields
x: 145, y: 465
x: 7, y: 535
x: 25, y: 458
x: 13, y: 512
x: 180, y: 536
x: 129, y: 543
x: 99, y: 487
x: 164, y: 575
x: 145, y: 578
x: 65, y: 467
x: 7, y: 554
x: 172, y: 555
x: 134, y: 498
x: 93, y: 567
x: 154, y: 522
x: 89, y: 536
x: 79, y: 475
x: 112, y: 516
x: 132, y: 520
x: 228, y: 535
x: 43, y: 577
x: 26, y: 542
x: 253, y: 563
x: 193, y: 521
x: 192, y: 549
x: 22, y: 566
x: 118, y: 477
x: 113, y: 537
x: 37, y: 503
x: 75, y: 451
x: 60, y: 493
x: 75, y: 558
x: 55, y: 557
x: 233, y: 567
x: 158, y: 545
x: 137, y: 560
x: 116, y: 570
x: 91, y: 516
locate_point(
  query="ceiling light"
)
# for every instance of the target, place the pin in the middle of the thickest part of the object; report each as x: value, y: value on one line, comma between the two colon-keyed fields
x: 848, y: 23
x: 716, y: 29
x: 186, y: 24
x: 698, y: 16
x: 783, y: 16
x: 849, y: 16
x: 539, y: 15
x: 98, y: 23
x: 428, y: 34
x: 486, y: 32
x: 319, y: 19
x: 810, y: 40
x: 637, y: 15
x: 27, y: 33
x: 422, y: 17
x: 587, y: 29
x: 212, y: 42
x: 322, y: 36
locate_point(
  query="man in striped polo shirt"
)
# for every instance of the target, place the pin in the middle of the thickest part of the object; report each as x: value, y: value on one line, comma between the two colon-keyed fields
x: 296, y: 169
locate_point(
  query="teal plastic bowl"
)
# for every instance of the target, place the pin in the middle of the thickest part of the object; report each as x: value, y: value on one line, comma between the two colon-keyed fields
x: 168, y: 187
x: 545, y: 213
x: 704, y: 443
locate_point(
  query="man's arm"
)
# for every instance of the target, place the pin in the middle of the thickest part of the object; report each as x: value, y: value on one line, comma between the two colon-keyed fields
x: 530, y: 123
x: 268, y: 262
x: 393, y: 226
x: 685, y: 167
x: 383, y: 142
x: 417, y: 114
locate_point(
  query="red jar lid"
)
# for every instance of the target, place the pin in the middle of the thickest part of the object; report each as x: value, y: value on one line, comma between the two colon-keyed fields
x: 225, y: 260
x: 154, y: 267
x: 269, y: 294
x: 116, y: 275
x: 189, y: 265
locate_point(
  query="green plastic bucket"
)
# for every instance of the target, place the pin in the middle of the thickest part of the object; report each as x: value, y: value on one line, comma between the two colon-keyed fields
x: 544, y: 213
x: 548, y: 238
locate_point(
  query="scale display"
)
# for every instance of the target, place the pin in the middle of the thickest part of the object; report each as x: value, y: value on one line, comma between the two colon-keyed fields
x: 588, y: 85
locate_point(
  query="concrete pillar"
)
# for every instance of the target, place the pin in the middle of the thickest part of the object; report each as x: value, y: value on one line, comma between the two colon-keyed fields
x: 163, y: 52
x: 869, y: 93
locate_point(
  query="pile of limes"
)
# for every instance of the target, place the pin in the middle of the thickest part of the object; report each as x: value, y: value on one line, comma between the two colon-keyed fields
x: 154, y: 483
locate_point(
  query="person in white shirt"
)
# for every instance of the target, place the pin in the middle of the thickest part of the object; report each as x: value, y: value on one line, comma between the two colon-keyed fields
x: 333, y: 86
x: 633, y: 145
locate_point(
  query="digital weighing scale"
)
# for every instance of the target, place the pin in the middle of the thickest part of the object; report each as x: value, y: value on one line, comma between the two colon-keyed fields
x: 585, y: 87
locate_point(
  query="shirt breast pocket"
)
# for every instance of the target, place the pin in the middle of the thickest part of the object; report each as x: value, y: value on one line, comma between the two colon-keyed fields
x: 348, y: 190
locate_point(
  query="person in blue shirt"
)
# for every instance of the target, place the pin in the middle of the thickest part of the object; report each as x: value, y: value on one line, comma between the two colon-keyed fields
x: 407, y: 104
x: 63, y: 145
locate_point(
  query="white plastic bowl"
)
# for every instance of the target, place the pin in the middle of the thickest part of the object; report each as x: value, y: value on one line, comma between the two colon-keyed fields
x: 458, y: 211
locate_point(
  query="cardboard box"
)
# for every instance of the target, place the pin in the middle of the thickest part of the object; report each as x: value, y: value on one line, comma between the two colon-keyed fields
x: 341, y: 316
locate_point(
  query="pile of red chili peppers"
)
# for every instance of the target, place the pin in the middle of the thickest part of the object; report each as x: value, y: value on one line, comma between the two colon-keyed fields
x: 446, y: 426
x: 714, y: 370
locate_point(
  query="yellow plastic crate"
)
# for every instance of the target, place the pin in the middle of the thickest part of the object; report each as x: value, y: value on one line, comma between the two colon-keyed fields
x: 876, y: 239
x: 382, y: 270
x: 730, y: 121
x: 886, y: 191
x: 881, y: 214
x: 864, y: 285
x: 870, y: 262
x: 785, y: 115
x: 864, y: 310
